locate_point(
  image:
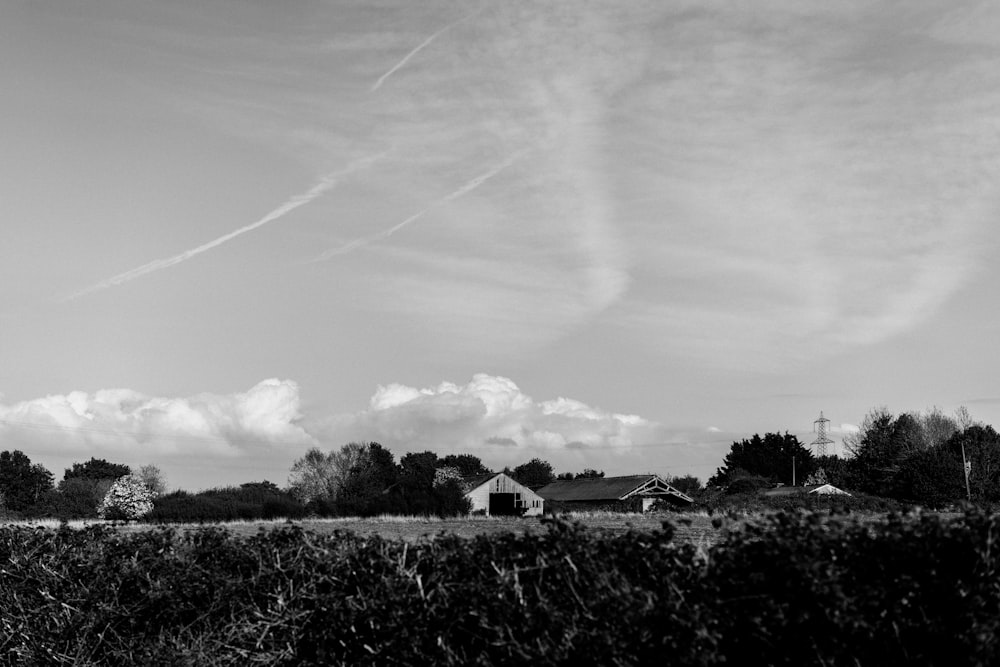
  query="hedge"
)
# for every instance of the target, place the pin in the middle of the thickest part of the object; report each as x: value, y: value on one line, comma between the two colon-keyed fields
x: 797, y: 588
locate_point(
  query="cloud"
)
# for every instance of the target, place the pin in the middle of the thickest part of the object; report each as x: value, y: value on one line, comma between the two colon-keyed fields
x: 208, y: 439
x: 821, y: 184
x: 490, y: 416
x: 384, y: 234
x: 325, y: 184
x: 126, y: 423
x: 418, y: 48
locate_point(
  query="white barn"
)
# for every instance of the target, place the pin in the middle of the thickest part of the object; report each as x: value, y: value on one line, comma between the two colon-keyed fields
x: 496, y: 494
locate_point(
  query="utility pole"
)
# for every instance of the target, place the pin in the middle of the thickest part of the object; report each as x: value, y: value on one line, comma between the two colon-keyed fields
x: 967, y: 468
x: 793, y: 469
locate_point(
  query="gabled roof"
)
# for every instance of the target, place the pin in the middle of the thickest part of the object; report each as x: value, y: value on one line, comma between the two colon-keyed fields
x: 609, y: 488
x: 475, y: 481
x: 818, y: 489
x: 498, y: 482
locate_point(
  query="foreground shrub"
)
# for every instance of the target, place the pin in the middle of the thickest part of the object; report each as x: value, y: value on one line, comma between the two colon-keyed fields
x: 797, y: 588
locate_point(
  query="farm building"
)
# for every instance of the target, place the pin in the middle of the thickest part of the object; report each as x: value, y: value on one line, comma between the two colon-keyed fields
x: 635, y: 493
x: 816, y: 489
x: 496, y: 494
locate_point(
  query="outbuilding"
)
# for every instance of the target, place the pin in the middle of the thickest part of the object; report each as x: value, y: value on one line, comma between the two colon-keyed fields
x: 634, y: 493
x: 496, y: 494
x: 814, y: 489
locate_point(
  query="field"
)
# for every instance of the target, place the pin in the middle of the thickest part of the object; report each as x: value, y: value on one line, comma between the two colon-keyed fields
x: 691, y: 528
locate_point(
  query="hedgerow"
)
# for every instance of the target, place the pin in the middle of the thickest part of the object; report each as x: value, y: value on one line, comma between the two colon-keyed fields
x: 797, y: 588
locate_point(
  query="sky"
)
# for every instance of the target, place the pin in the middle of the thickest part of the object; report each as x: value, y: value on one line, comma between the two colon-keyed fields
x: 609, y: 235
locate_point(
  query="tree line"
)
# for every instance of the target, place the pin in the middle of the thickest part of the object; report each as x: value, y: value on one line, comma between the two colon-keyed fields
x: 358, y: 479
x: 28, y: 490
x: 926, y: 458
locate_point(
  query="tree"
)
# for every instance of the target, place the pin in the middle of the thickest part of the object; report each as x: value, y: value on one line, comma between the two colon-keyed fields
x: 534, y: 473
x: 415, y: 491
x: 770, y: 457
x: 154, y: 479
x: 97, y: 469
x: 419, y: 468
x: 688, y: 484
x: 467, y: 464
x: 22, y: 483
x: 982, y: 451
x: 938, y: 427
x: 423, y: 490
x: 309, y: 477
x: 590, y: 473
x: 365, y: 491
x: 884, y: 442
x: 932, y: 477
x: 835, y: 470
x: 319, y: 476
x: 128, y: 499
x: 79, y: 497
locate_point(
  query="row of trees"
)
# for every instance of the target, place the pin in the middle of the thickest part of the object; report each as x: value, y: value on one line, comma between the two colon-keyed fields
x: 87, y: 490
x: 359, y: 479
x: 363, y: 479
x: 913, y: 457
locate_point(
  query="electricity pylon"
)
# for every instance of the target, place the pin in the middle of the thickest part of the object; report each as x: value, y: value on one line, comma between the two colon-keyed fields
x: 821, y: 441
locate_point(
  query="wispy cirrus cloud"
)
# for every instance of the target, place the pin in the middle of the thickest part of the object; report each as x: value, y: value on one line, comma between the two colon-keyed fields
x: 417, y: 49
x: 324, y: 185
x: 465, y: 189
x: 822, y: 185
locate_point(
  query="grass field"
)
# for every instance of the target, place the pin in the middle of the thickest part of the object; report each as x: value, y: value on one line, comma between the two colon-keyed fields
x: 694, y: 528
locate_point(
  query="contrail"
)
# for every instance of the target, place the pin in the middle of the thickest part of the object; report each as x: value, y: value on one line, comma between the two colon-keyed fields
x: 465, y: 189
x: 325, y: 184
x: 420, y: 47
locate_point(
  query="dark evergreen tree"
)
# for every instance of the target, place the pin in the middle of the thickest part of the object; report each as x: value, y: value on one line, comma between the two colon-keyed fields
x: 466, y: 464
x: 22, y: 483
x: 366, y: 491
x: 770, y: 457
x: 534, y: 473
x: 931, y: 477
x: 97, y: 469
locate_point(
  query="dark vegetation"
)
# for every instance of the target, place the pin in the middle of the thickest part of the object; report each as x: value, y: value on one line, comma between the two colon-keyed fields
x: 896, y: 460
x: 798, y: 588
x: 252, y: 501
x: 359, y: 479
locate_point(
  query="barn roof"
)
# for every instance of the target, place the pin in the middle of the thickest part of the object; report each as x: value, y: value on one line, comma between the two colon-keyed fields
x: 475, y: 481
x: 821, y: 489
x: 609, y: 488
x: 506, y: 484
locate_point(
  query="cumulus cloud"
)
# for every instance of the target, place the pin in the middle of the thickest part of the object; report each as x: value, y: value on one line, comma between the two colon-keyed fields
x: 208, y: 439
x: 490, y: 416
x: 127, y: 423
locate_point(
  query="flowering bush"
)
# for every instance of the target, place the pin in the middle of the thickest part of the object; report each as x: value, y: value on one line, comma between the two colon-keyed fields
x: 128, y: 498
x: 446, y: 474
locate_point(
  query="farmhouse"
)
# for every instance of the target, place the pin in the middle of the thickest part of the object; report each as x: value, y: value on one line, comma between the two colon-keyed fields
x: 631, y: 493
x: 496, y: 494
